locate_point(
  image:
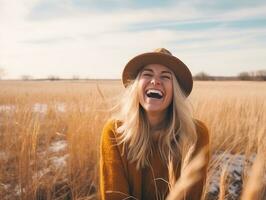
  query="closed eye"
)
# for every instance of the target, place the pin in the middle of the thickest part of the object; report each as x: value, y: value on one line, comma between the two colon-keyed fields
x: 147, y: 74
x: 166, y: 77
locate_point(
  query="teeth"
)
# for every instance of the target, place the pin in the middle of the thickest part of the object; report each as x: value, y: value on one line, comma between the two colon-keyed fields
x: 155, y: 91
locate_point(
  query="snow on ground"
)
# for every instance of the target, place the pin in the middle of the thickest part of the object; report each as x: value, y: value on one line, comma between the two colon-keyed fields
x: 56, y: 156
x: 7, y: 107
x: 234, y: 166
x: 58, y: 146
x: 59, y: 162
x: 18, y: 190
x: 61, y: 107
x: 41, y: 173
x: 42, y: 108
x: 37, y: 107
x: 5, y: 186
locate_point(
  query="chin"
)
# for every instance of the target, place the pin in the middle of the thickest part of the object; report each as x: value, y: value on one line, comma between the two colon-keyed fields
x: 153, y: 109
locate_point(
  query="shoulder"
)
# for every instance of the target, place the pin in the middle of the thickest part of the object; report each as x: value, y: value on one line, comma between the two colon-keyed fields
x: 202, y: 132
x: 109, y: 133
x: 109, y: 129
x: 110, y: 148
x: 109, y: 125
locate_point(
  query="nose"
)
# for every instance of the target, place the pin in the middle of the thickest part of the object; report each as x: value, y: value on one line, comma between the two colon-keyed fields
x: 155, y: 81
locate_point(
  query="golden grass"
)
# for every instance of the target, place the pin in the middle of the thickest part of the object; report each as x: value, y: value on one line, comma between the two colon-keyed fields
x: 189, y: 176
x: 233, y: 111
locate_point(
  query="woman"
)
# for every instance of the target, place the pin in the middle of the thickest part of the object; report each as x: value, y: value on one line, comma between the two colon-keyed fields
x: 152, y: 135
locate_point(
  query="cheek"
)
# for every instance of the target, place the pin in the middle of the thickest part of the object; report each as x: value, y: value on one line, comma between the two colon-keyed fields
x: 141, y: 85
x: 140, y: 91
x: 170, y: 93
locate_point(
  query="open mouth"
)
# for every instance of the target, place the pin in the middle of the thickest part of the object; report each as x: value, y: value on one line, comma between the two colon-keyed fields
x: 153, y: 93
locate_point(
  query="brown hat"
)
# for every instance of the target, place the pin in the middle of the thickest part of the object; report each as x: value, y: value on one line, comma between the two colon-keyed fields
x: 159, y: 56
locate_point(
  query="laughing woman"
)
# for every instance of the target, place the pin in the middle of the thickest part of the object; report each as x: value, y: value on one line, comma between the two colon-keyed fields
x: 151, y: 131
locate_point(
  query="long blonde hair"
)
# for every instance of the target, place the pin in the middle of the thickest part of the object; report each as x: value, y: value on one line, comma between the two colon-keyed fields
x: 175, y: 141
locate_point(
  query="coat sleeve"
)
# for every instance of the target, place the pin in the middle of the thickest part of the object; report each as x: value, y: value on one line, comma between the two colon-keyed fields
x: 113, y: 179
x: 196, y: 190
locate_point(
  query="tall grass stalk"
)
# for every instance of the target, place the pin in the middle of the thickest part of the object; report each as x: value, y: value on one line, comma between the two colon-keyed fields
x: 190, y: 175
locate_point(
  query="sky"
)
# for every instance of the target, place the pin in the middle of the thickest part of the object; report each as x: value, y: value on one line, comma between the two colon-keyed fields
x: 96, y: 38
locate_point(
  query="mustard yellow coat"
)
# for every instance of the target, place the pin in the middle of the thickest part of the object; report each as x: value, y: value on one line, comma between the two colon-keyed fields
x: 120, y: 179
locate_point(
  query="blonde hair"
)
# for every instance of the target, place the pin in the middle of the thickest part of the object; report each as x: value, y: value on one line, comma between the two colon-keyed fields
x: 177, y: 139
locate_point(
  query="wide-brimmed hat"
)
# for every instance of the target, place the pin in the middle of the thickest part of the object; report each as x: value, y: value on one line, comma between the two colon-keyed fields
x: 159, y: 56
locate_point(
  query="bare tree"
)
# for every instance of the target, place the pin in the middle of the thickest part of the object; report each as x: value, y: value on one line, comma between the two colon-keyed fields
x: 245, y: 76
x: 2, y: 73
x: 261, y: 75
x: 26, y: 77
x: 203, y: 76
x: 53, y: 78
x: 75, y: 77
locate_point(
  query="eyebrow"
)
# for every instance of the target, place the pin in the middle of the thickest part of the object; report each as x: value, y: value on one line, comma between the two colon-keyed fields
x: 166, y: 72
x: 150, y: 70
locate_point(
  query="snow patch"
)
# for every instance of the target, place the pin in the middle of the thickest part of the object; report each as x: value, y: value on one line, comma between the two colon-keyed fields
x: 58, y: 146
x: 41, y: 173
x: 59, y: 162
x: 7, y: 108
x: 40, y: 107
x: 234, y: 165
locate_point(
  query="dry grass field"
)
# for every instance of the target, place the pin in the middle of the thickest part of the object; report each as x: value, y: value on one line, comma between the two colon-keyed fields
x: 50, y: 131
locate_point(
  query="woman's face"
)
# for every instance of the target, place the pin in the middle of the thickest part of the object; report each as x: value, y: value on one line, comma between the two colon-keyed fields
x: 155, y: 88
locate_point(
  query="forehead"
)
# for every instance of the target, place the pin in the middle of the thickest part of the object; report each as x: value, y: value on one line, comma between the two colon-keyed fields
x: 157, y: 67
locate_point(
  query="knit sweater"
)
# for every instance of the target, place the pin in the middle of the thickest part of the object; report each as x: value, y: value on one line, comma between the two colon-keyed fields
x: 120, y: 178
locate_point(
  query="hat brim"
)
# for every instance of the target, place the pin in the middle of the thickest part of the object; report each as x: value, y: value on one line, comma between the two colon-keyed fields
x: 181, y: 71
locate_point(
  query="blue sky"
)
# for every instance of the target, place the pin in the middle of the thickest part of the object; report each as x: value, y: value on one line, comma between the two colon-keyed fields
x: 96, y: 38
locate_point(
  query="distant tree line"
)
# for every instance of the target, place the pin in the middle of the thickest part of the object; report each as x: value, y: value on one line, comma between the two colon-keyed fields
x: 259, y: 75
x: 202, y: 76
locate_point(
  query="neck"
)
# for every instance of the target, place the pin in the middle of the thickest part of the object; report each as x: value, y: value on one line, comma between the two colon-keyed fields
x: 156, y: 120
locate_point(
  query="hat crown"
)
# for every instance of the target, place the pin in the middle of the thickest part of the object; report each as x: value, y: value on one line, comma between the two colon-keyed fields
x: 163, y: 50
x: 159, y: 56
